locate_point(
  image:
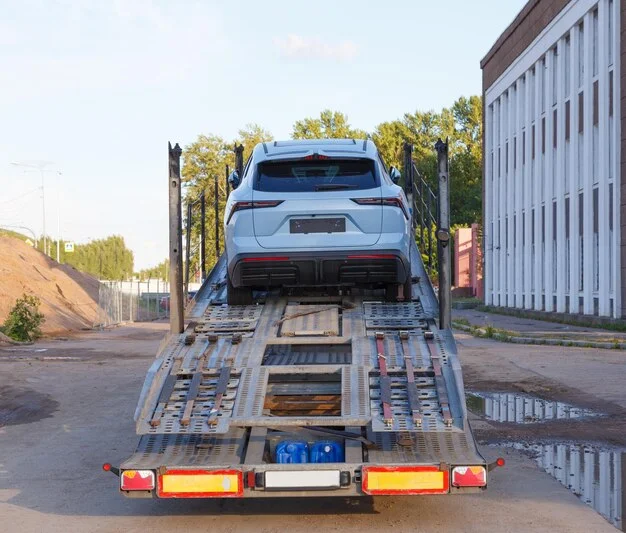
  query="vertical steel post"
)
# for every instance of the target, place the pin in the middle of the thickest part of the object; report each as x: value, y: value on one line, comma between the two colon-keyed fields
x: 239, y: 160
x: 227, y: 184
x: 217, y: 219
x: 409, y: 179
x: 443, y: 235
x: 203, y: 234
x: 188, y: 249
x: 176, y: 241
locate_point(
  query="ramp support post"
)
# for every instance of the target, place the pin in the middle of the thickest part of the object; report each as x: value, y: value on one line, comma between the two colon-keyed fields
x: 176, y: 241
x: 443, y: 235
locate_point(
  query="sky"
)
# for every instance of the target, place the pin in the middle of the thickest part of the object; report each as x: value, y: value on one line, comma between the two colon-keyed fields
x: 92, y: 91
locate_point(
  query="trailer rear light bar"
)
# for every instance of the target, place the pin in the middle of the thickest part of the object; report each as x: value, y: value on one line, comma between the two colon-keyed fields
x: 200, y: 484
x: 388, y: 480
x: 469, y: 476
x: 137, y: 480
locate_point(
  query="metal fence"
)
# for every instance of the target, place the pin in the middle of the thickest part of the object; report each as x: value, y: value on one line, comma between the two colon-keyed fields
x: 132, y: 301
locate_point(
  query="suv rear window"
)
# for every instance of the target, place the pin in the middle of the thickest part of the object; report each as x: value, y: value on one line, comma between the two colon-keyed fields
x: 316, y: 175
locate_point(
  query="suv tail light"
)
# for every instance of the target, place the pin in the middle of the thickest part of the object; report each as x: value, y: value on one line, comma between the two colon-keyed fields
x: 395, y: 201
x: 240, y: 206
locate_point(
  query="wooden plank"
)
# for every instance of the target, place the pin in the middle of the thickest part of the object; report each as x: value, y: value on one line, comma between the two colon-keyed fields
x: 385, y: 382
x: 220, y: 389
x: 412, y: 392
x: 191, y: 397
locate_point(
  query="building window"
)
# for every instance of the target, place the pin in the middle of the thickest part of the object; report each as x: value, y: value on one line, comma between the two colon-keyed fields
x: 567, y: 246
x: 611, y: 133
x: 555, y: 74
x: 596, y: 242
x: 532, y: 248
x: 554, y: 248
x: 596, y: 133
x: 581, y: 54
x: 610, y: 258
x: 542, y: 85
x: 595, y: 42
x: 610, y: 32
x: 566, y: 58
x: 581, y: 243
x: 543, y: 244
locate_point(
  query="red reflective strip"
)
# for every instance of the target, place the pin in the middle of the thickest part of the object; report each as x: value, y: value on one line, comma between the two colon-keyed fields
x: 254, y: 259
x: 372, y: 256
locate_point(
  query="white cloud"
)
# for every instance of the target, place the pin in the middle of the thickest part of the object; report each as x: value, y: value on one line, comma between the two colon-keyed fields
x: 296, y: 46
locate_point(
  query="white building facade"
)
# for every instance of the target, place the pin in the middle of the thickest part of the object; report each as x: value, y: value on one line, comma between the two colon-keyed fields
x: 552, y: 166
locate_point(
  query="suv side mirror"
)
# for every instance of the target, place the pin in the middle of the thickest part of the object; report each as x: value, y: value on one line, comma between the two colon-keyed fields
x: 233, y: 179
x: 394, y: 174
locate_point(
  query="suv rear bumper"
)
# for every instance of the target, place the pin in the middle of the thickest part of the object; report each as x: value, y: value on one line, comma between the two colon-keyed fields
x: 319, y: 268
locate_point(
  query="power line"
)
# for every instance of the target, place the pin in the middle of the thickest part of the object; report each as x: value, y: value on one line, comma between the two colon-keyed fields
x: 20, y: 196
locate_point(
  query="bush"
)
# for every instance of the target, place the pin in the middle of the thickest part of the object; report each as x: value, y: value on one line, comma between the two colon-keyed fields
x: 24, y: 319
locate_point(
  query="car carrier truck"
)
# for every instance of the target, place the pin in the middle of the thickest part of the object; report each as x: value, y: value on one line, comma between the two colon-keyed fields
x: 312, y: 392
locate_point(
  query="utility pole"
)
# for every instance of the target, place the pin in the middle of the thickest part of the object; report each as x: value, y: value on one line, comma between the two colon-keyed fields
x: 443, y: 235
x: 176, y: 242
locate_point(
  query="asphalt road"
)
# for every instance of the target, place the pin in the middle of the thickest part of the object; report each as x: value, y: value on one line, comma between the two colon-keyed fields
x: 68, y: 409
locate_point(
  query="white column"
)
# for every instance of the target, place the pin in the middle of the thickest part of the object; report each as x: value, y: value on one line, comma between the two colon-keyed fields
x: 548, y: 182
x: 487, y: 236
x: 510, y: 199
x: 496, y: 200
x: 588, y: 167
x: 504, y: 100
x: 603, y: 159
x: 537, y: 193
x: 528, y: 266
x: 519, y: 185
x: 617, y: 271
x: 560, y: 180
x: 574, y: 260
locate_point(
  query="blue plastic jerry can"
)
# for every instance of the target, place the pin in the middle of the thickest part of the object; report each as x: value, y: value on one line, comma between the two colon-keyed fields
x: 292, y: 451
x: 327, y: 451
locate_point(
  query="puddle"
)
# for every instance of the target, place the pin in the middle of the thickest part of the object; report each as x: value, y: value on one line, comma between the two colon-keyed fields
x: 522, y: 408
x: 23, y: 406
x: 596, y: 474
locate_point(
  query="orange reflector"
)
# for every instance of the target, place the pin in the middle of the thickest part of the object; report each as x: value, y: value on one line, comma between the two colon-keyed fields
x: 137, y: 480
x: 201, y: 484
x: 405, y: 480
x: 469, y: 476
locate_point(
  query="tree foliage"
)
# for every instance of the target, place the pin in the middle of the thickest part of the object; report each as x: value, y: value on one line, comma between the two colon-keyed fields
x: 160, y: 271
x: 206, y: 158
x: 329, y: 125
x: 24, y: 320
x: 103, y: 258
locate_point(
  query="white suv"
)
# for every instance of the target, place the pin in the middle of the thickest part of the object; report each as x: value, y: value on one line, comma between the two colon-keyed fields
x: 317, y: 213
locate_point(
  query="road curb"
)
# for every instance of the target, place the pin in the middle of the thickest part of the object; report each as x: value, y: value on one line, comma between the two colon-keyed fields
x: 534, y: 340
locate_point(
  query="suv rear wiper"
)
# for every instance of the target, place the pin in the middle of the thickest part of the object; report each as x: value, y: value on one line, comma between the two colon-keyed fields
x: 333, y: 186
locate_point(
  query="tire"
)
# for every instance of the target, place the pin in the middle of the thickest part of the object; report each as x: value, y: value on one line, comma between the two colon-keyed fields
x: 237, y: 295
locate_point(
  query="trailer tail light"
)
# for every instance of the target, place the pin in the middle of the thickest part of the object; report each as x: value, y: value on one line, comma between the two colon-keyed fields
x: 137, y: 480
x: 395, y: 201
x: 379, y: 480
x: 201, y: 484
x: 469, y: 476
x: 259, y: 204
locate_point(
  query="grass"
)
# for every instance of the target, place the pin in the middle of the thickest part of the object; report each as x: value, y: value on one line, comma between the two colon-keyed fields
x: 575, y: 320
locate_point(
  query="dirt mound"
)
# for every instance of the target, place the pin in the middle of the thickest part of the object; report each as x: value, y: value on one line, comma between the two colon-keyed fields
x: 69, y: 298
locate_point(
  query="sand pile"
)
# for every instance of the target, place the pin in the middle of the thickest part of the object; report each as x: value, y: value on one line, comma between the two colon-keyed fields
x: 69, y: 298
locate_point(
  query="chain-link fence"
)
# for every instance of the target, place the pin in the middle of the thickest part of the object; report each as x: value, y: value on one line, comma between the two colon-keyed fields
x: 132, y: 301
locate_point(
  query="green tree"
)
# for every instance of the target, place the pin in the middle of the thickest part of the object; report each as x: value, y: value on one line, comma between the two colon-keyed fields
x: 160, y: 271
x: 107, y: 258
x: 24, y: 320
x: 204, y: 163
x: 329, y: 125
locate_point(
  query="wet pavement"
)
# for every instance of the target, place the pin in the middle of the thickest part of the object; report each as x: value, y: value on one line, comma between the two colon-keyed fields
x: 522, y: 408
x: 595, y: 473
